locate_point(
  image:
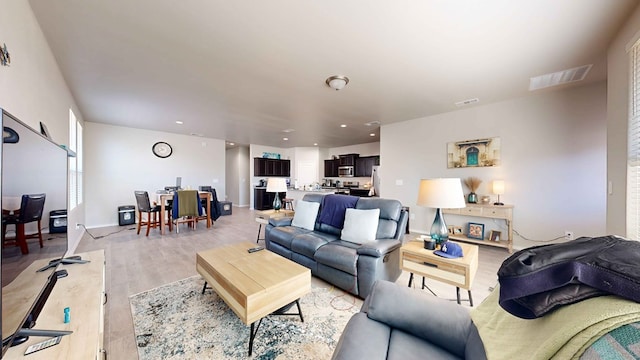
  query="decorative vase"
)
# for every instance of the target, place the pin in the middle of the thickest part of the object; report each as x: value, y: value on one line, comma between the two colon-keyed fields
x: 472, y: 198
x: 439, y: 231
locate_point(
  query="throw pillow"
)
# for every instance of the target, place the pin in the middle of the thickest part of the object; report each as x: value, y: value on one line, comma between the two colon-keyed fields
x: 305, y: 215
x: 360, y: 225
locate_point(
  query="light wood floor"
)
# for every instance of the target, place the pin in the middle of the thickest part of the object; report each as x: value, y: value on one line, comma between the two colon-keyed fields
x: 136, y: 263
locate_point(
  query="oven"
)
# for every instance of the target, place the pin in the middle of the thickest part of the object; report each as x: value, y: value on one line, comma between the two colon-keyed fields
x: 345, y: 171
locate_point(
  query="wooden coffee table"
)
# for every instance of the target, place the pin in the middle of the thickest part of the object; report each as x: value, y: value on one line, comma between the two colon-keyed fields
x: 458, y: 272
x: 253, y: 285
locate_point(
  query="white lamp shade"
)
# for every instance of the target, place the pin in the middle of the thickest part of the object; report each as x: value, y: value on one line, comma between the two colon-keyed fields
x: 441, y: 193
x: 276, y: 185
x: 498, y: 187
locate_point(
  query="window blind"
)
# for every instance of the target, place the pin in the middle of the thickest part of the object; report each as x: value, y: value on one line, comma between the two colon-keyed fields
x: 633, y: 156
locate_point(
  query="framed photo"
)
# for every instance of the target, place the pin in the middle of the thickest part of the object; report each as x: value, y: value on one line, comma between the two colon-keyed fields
x: 450, y: 229
x: 475, y: 231
x: 494, y: 235
x: 457, y: 230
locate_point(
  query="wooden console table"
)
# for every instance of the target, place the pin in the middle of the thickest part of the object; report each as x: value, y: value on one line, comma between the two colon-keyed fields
x: 503, y: 212
x: 83, y: 291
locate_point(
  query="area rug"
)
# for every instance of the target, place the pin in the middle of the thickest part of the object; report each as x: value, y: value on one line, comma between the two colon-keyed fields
x: 176, y: 321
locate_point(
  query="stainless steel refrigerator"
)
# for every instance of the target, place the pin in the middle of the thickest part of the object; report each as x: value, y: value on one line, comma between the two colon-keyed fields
x: 375, y: 181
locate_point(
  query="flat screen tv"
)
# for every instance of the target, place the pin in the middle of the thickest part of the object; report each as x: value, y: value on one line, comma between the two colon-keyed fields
x: 31, y: 164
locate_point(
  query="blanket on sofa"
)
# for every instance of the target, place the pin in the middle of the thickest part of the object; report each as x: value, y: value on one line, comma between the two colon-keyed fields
x: 334, y: 207
x: 562, y: 334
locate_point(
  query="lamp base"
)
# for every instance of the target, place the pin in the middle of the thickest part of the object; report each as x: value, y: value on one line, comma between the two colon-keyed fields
x: 277, y: 204
x: 439, y: 231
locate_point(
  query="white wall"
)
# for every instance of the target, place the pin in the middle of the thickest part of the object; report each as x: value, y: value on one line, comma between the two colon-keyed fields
x: 237, y: 176
x: 119, y: 160
x: 618, y: 62
x: 553, y: 160
x: 32, y: 87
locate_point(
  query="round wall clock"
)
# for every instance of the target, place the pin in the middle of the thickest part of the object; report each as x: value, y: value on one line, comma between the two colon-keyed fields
x: 161, y: 149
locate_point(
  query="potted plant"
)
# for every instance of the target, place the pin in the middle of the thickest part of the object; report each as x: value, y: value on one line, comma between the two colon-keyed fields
x: 472, y: 183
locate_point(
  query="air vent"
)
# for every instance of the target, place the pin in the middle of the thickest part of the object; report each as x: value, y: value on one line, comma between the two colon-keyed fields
x: 559, y: 78
x: 373, y: 123
x: 467, y: 102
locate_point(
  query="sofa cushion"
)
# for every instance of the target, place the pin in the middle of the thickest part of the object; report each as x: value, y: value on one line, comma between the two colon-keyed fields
x: 390, y: 211
x: 363, y: 338
x: 305, y: 215
x: 283, y: 235
x: 307, y: 244
x: 404, y: 346
x: 338, y: 256
x: 360, y: 225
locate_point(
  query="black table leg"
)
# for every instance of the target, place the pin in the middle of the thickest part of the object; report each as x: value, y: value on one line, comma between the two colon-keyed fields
x: 410, y: 279
x: 470, y: 298
x: 458, y: 294
x: 424, y: 286
x: 204, y: 287
x: 258, y: 237
x: 253, y: 335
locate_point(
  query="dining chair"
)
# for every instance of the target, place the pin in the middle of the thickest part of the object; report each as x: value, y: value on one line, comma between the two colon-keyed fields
x: 31, y: 209
x: 186, y: 208
x: 152, y: 212
x: 214, y: 204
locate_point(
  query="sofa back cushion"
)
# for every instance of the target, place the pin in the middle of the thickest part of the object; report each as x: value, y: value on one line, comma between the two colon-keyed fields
x: 305, y: 215
x: 390, y: 211
x: 360, y: 225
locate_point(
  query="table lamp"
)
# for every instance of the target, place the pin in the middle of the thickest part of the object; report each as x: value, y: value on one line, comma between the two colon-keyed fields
x: 498, y: 189
x: 277, y: 185
x: 438, y: 194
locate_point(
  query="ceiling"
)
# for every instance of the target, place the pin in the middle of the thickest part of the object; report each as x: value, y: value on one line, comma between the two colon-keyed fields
x: 245, y: 71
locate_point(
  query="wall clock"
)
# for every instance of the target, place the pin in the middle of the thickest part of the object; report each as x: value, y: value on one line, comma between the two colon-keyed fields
x: 161, y: 149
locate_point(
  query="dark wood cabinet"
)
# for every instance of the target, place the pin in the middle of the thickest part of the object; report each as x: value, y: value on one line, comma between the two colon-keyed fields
x: 331, y: 168
x: 348, y: 159
x: 271, y: 167
x: 365, y: 164
x: 263, y: 200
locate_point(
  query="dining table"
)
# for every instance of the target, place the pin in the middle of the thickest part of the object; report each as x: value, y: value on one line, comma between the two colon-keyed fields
x: 163, y: 198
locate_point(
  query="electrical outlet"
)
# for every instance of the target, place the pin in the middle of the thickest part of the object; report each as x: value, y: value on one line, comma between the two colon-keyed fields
x: 568, y: 235
x: 78, y: 226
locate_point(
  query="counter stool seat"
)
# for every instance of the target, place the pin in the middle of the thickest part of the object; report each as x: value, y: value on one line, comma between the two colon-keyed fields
x: 287, y: 204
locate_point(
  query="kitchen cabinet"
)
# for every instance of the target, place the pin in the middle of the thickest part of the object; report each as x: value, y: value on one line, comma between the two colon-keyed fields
x: 331, y: 168
x: 365, y: 164
x: 348, y: 159
x: 263, y: 200
x: 271, y: 167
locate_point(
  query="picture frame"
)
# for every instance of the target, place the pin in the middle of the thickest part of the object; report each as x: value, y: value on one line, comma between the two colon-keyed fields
x: 457, y: 230
x: 450, y: 229
x: 494, y: 235
x: 475, y: 231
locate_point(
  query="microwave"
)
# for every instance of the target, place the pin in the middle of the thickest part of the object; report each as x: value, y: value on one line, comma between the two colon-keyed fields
x: 345, y: 171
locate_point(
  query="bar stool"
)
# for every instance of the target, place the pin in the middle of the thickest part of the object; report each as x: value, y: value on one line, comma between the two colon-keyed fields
x: 287, y: 202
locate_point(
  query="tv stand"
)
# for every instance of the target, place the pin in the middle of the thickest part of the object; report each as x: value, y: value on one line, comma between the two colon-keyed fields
x: 82, y: 291
x: 65, y: 261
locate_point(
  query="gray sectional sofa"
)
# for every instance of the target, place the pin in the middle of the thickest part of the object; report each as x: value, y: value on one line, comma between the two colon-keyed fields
x: 350, y: 266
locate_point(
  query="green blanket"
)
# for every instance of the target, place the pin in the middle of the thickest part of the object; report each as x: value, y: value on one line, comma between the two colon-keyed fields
x: 562, y: 334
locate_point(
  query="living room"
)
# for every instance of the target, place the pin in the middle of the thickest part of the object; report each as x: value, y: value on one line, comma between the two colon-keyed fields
x: 563, y: 151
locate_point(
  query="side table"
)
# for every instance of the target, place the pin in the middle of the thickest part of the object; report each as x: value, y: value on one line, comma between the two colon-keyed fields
x: 458, y: 272
x: 262, y: 218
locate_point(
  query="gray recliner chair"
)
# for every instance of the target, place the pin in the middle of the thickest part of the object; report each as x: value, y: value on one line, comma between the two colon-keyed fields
x: 396, y: 322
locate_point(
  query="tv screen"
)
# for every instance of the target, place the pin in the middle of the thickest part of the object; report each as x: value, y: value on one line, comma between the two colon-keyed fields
x: 31, y: 164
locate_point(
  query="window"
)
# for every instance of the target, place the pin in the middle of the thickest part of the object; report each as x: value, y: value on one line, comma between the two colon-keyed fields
x: 633, y: 156
x: 75, y: 162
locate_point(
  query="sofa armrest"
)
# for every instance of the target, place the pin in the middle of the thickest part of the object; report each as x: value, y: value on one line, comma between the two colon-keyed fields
x: 378, y: 248
x: 441, y: 322
x: 281, y: 221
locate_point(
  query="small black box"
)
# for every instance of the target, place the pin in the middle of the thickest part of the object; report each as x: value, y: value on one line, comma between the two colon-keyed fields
x: 126, y: 215
x: 58, y: 221
x: 224, y: 207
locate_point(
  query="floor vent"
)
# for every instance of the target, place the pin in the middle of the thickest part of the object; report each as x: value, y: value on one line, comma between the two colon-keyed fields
x: 559, y: 78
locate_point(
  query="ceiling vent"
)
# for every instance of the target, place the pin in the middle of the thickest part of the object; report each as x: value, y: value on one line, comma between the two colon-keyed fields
x: 467, y: 102
x: 559, y: 78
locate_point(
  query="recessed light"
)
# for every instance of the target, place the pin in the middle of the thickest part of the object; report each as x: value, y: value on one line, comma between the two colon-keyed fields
x: 285, y: 139
x: 231, y: 143
x: 179, y: 122
x: 372, y: 134
x: 372, y: 123
x: 315, y: 144
x: 288, y: 130
x: 343, y: 126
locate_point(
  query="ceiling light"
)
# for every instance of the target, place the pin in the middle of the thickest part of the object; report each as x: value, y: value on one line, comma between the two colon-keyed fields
x: 285, y: 139
x: 372, y: 134
x: 372, y: 123
x: 288, y: 130
x: 343, y: 126
x: 337, y: 82
x: 179, y: 122
x: 315, y: 144
x: 231, y: 143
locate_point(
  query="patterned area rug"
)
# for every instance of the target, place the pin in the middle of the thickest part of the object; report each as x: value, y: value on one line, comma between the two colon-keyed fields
x: 176, y: 321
